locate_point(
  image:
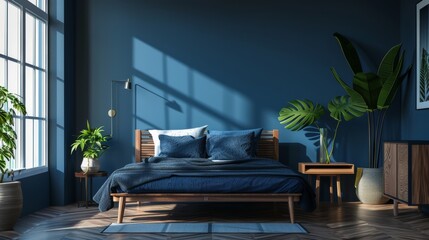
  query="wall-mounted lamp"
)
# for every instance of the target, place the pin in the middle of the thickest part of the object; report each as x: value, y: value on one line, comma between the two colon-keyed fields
x: 112, y: 112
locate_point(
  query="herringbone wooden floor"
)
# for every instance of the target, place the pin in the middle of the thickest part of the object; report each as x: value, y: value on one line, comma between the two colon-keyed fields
x: 349, y: 221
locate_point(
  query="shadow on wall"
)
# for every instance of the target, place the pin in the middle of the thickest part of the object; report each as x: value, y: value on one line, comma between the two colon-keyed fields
x: 293, y: 153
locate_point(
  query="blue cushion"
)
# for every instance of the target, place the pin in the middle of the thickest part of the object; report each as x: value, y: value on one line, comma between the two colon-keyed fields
x: 256, y: 131
x: 224, y: 147
x: 182, y: 146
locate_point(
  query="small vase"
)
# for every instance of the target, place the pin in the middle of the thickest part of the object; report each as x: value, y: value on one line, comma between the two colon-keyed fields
x: 90, y: 165
x: 323, y: 150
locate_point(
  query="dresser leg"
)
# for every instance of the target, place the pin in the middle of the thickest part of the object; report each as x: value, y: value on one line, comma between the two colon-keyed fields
x: 395, y: 207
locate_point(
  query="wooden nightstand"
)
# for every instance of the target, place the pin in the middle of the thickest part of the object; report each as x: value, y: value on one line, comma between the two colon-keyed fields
x: 88, y: 191
x: 329, y: 170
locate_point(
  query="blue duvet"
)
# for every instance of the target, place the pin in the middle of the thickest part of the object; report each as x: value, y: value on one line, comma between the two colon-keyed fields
x: 179, y: 175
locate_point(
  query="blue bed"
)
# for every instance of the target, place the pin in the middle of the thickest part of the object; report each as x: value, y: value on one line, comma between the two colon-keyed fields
x: 163, y: 179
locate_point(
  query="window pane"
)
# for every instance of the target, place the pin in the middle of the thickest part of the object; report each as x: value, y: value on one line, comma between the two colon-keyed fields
x: 35, y: 92
x: 14, y: 77
x: 2, y: 72
x: 34, y: 41
x: 34, y: 143
x: 39, y: 3
x: 3, y: 26
x: 16, y: 163
x: 14, y: 31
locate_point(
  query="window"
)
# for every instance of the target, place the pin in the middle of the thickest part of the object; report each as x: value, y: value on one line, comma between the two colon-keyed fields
x: 23, y: 70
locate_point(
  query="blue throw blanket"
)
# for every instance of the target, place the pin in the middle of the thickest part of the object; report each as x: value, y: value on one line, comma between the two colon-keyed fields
x: 156, y: 168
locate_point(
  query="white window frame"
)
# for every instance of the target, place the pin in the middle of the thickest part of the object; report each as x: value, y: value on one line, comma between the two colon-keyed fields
x: 27, y: 7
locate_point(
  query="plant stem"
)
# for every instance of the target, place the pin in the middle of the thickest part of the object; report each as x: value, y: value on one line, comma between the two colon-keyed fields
x: 369, y: 138
x: 333, y: 141
x: 383, y: 115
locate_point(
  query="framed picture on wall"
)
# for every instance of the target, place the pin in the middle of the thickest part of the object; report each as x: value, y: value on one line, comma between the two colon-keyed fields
x: 422, y: 79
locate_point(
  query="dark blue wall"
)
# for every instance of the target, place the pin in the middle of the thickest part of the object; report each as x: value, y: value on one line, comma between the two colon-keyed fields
x: 61, y: 100
x: 228, y: 64
x: 35, y: 193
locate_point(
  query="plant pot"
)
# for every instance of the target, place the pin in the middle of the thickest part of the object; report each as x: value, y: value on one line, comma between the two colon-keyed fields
x: 90, y: 165
x: 370, y: 186
x: 10, y: 204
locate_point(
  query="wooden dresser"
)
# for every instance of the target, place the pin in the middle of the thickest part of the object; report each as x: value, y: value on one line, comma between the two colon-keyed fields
x: 406, y: 172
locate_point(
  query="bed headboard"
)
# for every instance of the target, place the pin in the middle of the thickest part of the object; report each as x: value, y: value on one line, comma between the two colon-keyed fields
x: 268, y: 145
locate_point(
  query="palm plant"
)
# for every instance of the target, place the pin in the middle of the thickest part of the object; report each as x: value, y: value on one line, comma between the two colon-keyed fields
x: 303, y: 113
x: 375, y: 91
x: 9, y: 105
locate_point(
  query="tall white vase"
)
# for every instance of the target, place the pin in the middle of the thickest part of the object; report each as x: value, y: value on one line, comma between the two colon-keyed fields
x: 370, y: 186
x: 90, y: 165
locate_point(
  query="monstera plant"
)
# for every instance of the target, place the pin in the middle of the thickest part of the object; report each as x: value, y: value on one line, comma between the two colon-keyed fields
x: 303, y: 113
x: 375, y: 91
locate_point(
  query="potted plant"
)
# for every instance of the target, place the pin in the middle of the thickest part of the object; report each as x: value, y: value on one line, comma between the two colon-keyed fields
x: 375, y: 91
x: 91, y: 142
x: 302, y: 113
x: 10, y: 192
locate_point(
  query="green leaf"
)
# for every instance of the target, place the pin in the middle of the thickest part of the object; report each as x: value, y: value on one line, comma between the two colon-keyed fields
x: 349, y: 53
x: 301, y: 114
x: 387, y: 64
x: 391, y: 86
x: 368, y: 85
x: 344, y: 108
x: 356, y: 96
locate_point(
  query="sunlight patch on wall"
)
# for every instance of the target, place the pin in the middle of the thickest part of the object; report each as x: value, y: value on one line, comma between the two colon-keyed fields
x: 202, y: 99
x: 177, y: 78
x: 149, y: 109
x: 228, y: 108
x: 148, y: 60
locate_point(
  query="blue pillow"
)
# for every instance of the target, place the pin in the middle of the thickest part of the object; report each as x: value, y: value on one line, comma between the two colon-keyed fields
x: 256, y: 131
x: 182, y: 146
x: 224, y: 147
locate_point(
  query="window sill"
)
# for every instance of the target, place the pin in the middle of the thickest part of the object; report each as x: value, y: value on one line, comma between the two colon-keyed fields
x: 24, y: 173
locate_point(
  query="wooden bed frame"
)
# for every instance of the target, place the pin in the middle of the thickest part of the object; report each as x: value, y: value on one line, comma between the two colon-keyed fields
x: 268, y: 147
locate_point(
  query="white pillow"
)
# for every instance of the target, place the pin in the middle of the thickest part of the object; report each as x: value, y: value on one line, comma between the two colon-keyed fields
x: 194, y: 132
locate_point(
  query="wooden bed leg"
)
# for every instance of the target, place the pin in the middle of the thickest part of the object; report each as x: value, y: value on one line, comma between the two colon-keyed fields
x: 291, y: 213
x: 121, y: 209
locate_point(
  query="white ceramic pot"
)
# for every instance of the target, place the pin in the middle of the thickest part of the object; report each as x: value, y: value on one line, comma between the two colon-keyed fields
x: 10, y: 204
x: 90, y: 165
x: 370, y: 187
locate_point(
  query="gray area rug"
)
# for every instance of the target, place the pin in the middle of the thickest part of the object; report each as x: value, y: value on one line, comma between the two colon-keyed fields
x: 205, y: 227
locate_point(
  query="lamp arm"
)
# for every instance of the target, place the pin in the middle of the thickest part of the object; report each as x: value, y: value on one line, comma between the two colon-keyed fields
x: 112, y: 112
